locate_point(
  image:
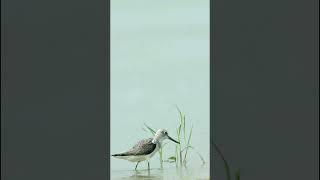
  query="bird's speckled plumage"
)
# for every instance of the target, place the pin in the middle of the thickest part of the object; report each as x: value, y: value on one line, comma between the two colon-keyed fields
x: 143, y: 147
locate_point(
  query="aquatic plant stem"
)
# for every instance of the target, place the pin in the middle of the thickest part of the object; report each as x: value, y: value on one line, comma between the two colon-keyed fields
x: 188, y: 145
x: 182, y: 123
x: 179, y: 133
x: 161, y: 158
x: 177, y: 153
x: 179, y: 140
x: 184, y: 138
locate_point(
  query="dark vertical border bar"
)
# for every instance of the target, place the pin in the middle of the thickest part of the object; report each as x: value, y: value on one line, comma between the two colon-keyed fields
x: 55, y: 89
x: 265, y: 88
x: 108, y: 76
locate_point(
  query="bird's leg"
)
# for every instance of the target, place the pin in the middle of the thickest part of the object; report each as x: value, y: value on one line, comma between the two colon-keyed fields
x: 136, y: 165
x: 148, y: 168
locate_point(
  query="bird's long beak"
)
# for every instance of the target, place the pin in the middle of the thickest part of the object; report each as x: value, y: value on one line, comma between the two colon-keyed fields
x: 173, y: 140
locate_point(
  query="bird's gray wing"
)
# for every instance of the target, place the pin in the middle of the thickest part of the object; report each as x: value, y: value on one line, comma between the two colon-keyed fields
x: 143, y: 147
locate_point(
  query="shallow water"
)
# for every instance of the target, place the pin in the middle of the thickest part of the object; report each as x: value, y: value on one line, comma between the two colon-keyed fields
x: 200, y: 173
x: 159, y: 59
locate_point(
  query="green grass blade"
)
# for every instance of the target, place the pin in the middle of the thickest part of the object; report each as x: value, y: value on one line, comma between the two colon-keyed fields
x: 227, y: 169
x: 187, y: 148
x: 161, y: 149
x: 202, y: 159
x: 150, y: 129
x: 179, y: 130
x: 185, y: 155
x: 184, y: 128
x: 226, y: 165
x: 238, y: 175
x: 161, y: 158
x: 180, y: 114
x: 200, y: 156
x: 190, y: 134
x: 179, y: 145
x: 177, y: 148
x: 172, y: 158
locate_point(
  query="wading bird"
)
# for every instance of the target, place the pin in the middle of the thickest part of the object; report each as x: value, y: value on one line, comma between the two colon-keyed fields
x: 145, y: 148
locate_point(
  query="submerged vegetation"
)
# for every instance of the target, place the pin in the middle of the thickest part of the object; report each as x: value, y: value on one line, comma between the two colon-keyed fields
x: 181, y: 150
x: 180, y: 158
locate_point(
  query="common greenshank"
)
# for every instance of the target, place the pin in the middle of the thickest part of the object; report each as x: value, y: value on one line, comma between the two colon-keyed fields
x: 145, y: 148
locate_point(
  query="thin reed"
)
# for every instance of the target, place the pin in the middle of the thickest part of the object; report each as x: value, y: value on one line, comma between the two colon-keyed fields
x: 181, y: 150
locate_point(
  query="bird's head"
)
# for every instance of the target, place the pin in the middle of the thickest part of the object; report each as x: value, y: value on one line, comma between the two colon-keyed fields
x: 162, y: 134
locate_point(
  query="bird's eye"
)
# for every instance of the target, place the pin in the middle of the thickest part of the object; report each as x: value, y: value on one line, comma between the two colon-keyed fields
x: 165, y: 132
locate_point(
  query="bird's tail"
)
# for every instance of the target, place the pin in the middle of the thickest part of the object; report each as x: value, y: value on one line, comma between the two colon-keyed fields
x: 116, y: 155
